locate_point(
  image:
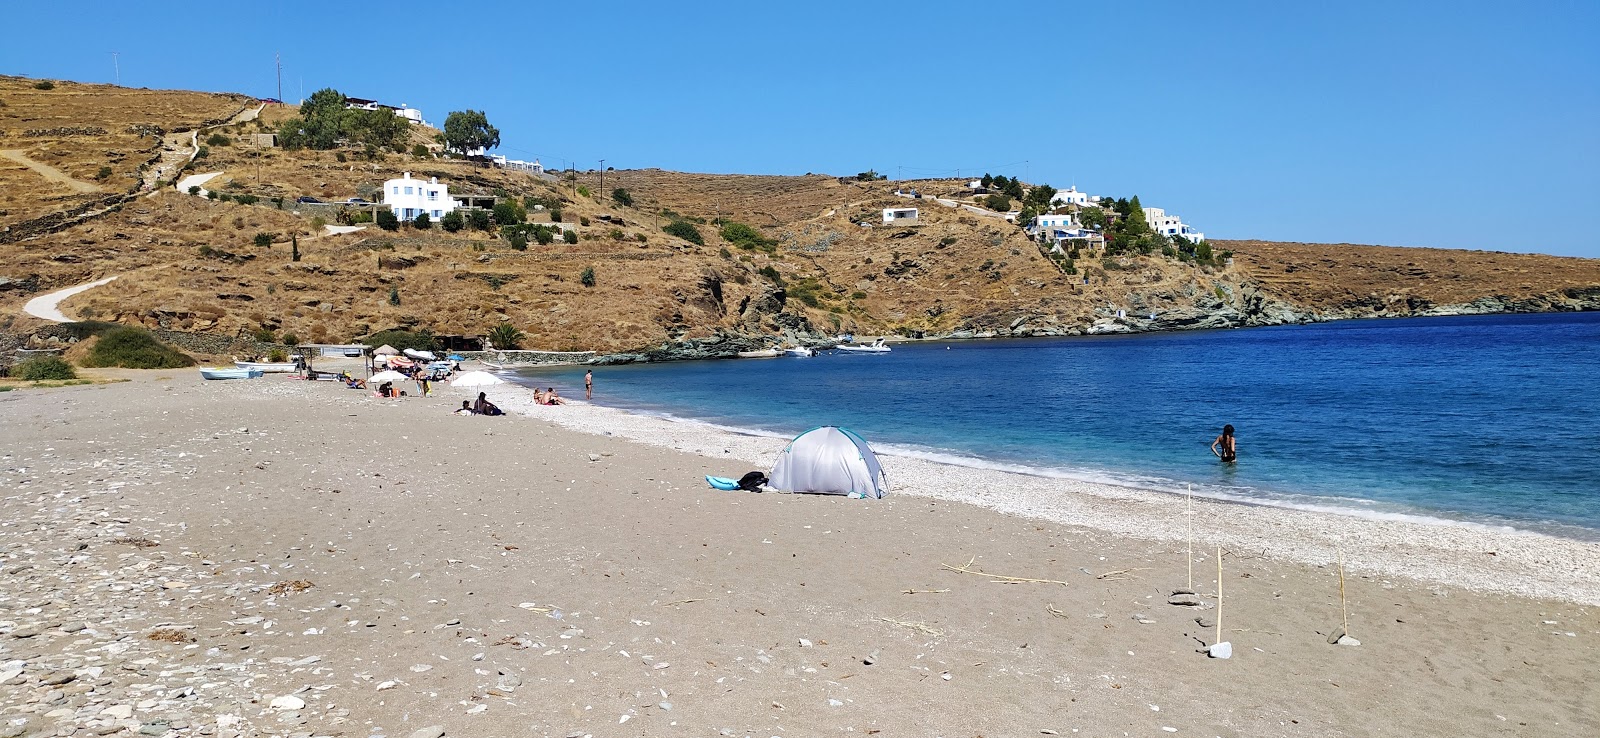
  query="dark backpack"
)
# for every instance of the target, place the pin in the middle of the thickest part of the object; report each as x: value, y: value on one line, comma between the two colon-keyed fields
x: 752, y: 482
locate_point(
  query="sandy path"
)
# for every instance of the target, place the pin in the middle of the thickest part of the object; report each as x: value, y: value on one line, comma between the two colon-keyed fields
x: 503, y: 576
x: 50, y: 173
x: 47, y: 306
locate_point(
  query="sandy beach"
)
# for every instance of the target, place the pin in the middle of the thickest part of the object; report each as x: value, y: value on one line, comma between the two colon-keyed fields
x: 285, y: 558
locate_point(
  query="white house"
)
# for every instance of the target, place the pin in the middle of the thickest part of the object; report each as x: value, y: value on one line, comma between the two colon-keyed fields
x: 409, y: 197
x: 360, y: 103
x: 516, y: 164
x: 1071, y: 196
x: 899, y: 215
x: 1170, y: 225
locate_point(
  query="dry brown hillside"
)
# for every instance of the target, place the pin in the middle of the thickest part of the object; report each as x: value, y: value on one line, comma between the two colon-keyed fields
x: 190, y: 263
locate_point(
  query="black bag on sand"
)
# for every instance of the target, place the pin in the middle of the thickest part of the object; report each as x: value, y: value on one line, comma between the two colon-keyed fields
x: 752, y: 482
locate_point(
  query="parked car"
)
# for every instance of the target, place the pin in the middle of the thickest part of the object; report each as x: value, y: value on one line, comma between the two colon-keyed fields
x: 358, y: 201
x: 307, y: 199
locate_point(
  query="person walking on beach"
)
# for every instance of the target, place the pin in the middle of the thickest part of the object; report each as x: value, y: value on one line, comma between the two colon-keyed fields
x: 1223, y: 447
x: 588, y: 385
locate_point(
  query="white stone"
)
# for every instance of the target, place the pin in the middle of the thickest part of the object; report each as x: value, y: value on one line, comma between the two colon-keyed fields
x: 119, y: 712
x: 287, y: 702
x: 1347, y: 641
x: 1223, y: 650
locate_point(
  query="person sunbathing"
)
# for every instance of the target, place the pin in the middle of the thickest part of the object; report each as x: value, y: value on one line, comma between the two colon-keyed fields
x: 551, y: 398
x: 466, y: 409
x: 484, y: 407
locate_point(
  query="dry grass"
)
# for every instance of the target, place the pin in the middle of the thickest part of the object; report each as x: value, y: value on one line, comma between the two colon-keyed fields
x: 295, y: 586
x: 73, y: 112
x: 136, y: 542
x: 171, y: 635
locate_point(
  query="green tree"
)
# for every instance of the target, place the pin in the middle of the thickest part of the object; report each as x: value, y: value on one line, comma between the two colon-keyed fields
x: 478, y: 218
x: 543, y: 234
x: 509, y: 212
x: 1039, y: 197
x: 505, y: 336
x: 621, y: 197
x: 387, y: 220
x: 1013, y: 189
x: 452, y: 221
x: 465, y: 130
x: 987, y: 181
x: 686, y: 231
x: 135, y: 348
x: 1092, y: 218
x: 319, y: 123
x: 263, y: 240
x: 871, y: 175
x: 998, y: 203
x: 570, y: 236
x: 380, y: 128
x: 999, y: 182
x: 587, y: 277
x: 422, y: 221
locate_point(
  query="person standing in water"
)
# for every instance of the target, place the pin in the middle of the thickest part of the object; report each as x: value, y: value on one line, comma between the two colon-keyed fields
x: 588, y: 385
x: 1223, y: 447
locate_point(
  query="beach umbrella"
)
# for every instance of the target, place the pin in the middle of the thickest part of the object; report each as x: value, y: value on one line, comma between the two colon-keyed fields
x: 386, y: 350
x: 477, y: 379
x: 388, y: 376
x: 456, y: 357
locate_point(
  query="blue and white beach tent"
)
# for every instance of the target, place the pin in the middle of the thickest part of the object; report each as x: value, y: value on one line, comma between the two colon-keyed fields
x: 829, y: 461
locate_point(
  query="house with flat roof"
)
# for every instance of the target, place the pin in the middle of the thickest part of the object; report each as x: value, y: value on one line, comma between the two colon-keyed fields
x: 409, y: 197
x: 1171, y: 225
x: 899, y: 216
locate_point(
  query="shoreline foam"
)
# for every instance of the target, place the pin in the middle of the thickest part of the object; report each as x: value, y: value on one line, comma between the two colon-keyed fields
x: 1463, y: 554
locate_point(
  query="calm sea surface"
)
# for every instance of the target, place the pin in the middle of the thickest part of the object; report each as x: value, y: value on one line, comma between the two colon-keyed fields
x: 1491, y: 419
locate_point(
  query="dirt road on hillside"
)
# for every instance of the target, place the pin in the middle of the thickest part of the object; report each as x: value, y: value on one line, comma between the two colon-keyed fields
x: 50, y: 173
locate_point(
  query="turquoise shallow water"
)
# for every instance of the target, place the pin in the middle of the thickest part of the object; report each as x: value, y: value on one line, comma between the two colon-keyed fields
x: 1488, y: 419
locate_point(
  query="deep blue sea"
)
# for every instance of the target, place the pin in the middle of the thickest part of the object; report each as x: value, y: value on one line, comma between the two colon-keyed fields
x: 1487, y: 419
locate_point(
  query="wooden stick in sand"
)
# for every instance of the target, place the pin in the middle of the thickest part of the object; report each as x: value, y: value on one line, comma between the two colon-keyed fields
x: 1344, y: 613
x: 1189, y: 533
x: 1219, y: 595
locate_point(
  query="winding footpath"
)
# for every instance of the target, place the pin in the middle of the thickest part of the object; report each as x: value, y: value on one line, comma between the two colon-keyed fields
x: 47, y: 306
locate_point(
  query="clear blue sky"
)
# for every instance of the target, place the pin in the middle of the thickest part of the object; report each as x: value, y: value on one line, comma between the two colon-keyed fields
x: 1456, y: 124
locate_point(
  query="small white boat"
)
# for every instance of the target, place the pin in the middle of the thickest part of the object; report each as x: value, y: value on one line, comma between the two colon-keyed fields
x: 271, y: 367
x: 761, y: 354
x: 214, y: 372
x: 876, y: 347
x: 419, y: 354
x: 800, y: 351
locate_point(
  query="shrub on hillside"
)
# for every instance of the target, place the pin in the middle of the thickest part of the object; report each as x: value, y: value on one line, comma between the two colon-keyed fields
x: 570, y: 237
x: 387, y: 220
x: 85, y: 328
x: 452, y: 221
x: 135, y: 348
x: 507, y: 212
x: 246, y: 199
x: 44, y: 367
x: 217, y: 139
x: 44, y: 85
x: 587, y: 277
x: 745, y: 237
x: 997, y: 203
x: 263, y: 240
x: 423, y: 222
x: 103, y: 173
x: 621, y: 197
x: 419, y: 151
x: 479, y: 220
x: 686, y: 231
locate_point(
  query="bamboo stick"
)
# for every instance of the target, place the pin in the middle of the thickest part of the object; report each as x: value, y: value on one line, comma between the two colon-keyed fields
x: 1344, y: 612
x: 1189, y: 533
x: 1219, y: 595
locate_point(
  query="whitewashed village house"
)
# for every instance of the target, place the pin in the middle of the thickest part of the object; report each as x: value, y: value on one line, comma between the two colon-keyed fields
x: 1071, y: 196
x: 409, y: 197
x: 1171, y: 225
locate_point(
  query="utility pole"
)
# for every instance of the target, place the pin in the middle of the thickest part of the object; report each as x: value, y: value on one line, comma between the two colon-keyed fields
x: 116, y: 65
x: 278, y: 59
x: 602, y: 176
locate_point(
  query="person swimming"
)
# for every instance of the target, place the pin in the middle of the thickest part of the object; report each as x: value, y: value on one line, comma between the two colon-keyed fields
x: 1223, y: 447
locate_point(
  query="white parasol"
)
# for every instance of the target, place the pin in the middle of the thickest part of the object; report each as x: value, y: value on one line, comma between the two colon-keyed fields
x: 477, y: 379
x: 388, y: 376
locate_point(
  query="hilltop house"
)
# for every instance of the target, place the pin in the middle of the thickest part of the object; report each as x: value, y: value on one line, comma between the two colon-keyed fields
x: 1171, y: 225
x: 409, y: 197
x: 360, y: 103
x: 1071, y: 196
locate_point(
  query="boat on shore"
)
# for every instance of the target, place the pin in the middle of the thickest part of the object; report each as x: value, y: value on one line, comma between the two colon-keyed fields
x: 769, y: 353
x: 876, y: 347
x: 215, y: 372
x: 270, y: 367
x: 800, y: 351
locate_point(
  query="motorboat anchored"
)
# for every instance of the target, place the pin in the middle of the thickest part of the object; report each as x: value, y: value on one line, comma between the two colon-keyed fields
x: 800, y: 351
x: 760, y: 354
x: 270, y: 367
x: 876, y: 347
